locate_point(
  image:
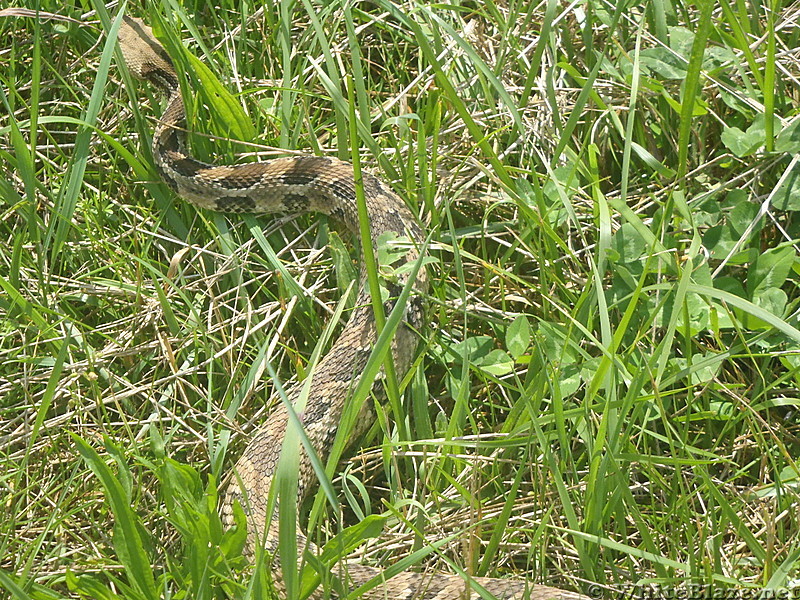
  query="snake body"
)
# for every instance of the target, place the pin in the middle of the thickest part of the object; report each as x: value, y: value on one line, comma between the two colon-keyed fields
x: 296, y: 184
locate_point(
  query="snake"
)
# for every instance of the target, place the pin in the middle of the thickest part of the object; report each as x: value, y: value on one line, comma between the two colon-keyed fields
x: 326, y: 185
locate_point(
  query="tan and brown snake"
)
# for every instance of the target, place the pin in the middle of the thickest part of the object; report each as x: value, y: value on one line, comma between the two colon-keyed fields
x: 326, y: 185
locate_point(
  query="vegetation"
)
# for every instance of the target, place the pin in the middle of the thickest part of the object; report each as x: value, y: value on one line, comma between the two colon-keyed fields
x: 607, y: 394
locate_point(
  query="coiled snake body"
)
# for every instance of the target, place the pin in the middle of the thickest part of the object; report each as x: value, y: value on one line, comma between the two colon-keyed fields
x: 303, y: 184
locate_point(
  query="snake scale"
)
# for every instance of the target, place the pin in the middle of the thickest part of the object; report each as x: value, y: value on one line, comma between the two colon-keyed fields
x: 294, y: 184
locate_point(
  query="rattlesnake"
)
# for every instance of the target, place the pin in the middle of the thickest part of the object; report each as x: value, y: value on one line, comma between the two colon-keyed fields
x: 294, y: 184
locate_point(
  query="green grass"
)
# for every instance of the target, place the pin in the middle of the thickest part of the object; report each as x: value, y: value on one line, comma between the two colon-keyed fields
x: 607, y: 394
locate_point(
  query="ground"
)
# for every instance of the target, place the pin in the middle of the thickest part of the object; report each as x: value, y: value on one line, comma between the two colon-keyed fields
x: 606, y: 396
